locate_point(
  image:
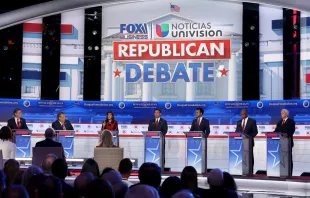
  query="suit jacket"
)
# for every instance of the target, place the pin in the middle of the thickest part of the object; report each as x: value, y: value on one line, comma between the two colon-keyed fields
x: 250, y: 128
x: 162, y: 126
x: 57, y: 126
x: 50, y: 143
x: 288, y: 128
x: 204, y: 126
x: 12, y: 124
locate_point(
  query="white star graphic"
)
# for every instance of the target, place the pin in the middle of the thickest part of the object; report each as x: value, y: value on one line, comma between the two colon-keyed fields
x: 275, y: 162
x: 21, y: 149
x: 237, y: 156
x: 154, y: 154
x: 68, y: 148
x: 196, y: 156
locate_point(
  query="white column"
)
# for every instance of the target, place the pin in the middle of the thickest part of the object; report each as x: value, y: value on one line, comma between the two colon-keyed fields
x: 190, y: 86
x: 232, y: 78
x: 146, y: 89
x: 115, y: 83
x: 108, y: 78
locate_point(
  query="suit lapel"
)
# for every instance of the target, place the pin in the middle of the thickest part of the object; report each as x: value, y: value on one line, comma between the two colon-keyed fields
x: 247, y: 124
x: 15, y: 125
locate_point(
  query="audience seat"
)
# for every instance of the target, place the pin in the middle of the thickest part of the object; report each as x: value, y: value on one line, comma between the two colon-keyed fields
x: 108, y: 157
x: 38, y: 154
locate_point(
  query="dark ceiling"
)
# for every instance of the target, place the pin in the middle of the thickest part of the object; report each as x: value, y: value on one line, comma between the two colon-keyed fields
x: 14, y: 5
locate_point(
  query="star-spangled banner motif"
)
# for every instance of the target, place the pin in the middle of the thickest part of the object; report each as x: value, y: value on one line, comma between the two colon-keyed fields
x: 68, y: 145
x: 273, y: 157
x: 194, y: 152
x: 235, y: 156
x: 23, y: 146
x: 152, y: 150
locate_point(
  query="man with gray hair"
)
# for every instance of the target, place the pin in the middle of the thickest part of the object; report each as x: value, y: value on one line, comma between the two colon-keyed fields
x: 287, y: 126
x: 47, y: 163
x: 49, y: 142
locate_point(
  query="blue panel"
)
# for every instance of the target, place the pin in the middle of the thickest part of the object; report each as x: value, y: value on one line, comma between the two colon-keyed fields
x: 63, y: 75
x: 235, y: 156
x: 23, y: 146
x: 31, y: 75
x: 273, y: 157
x: 152, y: 149
x: 68, y: 145
x: 194, y: 152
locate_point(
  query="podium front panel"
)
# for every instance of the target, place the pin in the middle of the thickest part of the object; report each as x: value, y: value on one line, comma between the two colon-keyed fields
x: 273, y: 156
x: 235, y: 154
x: 194, y: 152
x: 66, y: 138
x: 285, y: 156
x: 152, y: 149
x: 23, y: 143
x: 247, y: 155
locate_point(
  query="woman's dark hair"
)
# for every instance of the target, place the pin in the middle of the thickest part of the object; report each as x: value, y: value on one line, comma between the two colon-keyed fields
x: 5, y: 133
x: 92, y: 167
x: 229, y: 182
x: 106, y: 170
x: 107, y: 120
x: 170, y: 186
x: 189, y: 178
x: 11, y: 170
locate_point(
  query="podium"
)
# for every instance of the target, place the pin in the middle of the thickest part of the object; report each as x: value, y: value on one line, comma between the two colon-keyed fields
x: 154, y: 147
x: 66, y: 138
x: 196, y: 150
x: 22, y: 139
x: 279, y: 154
x: 240, y: 153
x: 115, y: 138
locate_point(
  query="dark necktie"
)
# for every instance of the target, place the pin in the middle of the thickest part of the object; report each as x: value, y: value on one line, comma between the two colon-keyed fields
x: 198, y: 123
x: 63, y: 127
x: 283, y: 122
x: 18, y: 124
x: 243, y: 125
x: 156, y: 123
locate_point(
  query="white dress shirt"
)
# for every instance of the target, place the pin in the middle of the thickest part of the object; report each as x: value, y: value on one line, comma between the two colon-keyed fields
x: 199, y: 120
x: 244, y: 121
x: 8, y: 149
x: 62, y: 125
x: 157, y: 120
x: 16, y: 120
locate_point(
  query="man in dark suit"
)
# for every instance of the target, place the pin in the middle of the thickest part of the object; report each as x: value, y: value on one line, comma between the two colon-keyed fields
x: 200, y: 123
x: 49, y: 142
x: 61, y: 123
x: 158, y: 124
x: 248, y: 127
x: 17, y: 122
x: 286, y: 126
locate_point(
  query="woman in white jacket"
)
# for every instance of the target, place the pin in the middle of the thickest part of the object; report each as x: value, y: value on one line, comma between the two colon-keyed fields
x: 8, y: 148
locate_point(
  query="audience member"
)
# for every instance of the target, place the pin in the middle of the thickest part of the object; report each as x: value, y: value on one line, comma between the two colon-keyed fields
x: 141, y: 190
x: 216, y: 181
x: 8, y: 148
x: 106, y: 139
x: 150, y: 174
x: 81, y: 182
x: 189, y: 180
x: 44, y: 186
x: 125, y: 168
x: 106, y: 170
x: 19, y: 177
x: 170, y: 186
x: 60, y: 170
x: 15, y: 191
x: 11, y: 170
x: 29, y: 173
x: 115, y: 179
x: 183, y: 194
x: 49, y: 140
x: 92, y: 167
x: 99, y: 188
x: 229, y: 183
x: 2, y: 180
x: 47, y: 163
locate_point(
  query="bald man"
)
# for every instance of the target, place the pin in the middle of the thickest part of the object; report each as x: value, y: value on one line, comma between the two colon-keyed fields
x: 247, y: 126
x: 286, y: 126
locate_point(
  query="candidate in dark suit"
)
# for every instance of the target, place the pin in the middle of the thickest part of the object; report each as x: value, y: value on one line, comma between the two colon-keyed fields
x: 247, y: 126
x: 61, y: 123
x: 17, y: 122
x: 49, y: 142
x: 200, y: 123
x: 286, y: 126
x: 158, y: 124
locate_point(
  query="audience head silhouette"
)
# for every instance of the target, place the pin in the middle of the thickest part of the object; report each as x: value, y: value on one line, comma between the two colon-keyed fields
x: 229, y: 182
x: 142, y: 190
x: 92, y: 167
x: 60, y: 168
x: 183, y: 194
x: 11, y: 170
x: 215, y: 178
x: 5, y: 133
x: 189, y: 178
x: 170, y: 186
x: 99, y: 188
x: 29, y: 173
x: 150, y: 174
x: 49, y: 133
x: 81, y: 182
x: 125, y: 167
x: 47, y: 163
x: 15, y: 191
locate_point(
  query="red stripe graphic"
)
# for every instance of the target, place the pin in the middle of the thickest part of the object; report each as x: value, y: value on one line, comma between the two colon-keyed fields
x: 37, y: 28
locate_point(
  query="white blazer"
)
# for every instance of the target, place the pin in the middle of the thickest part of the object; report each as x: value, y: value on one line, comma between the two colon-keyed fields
x: 8, y: 149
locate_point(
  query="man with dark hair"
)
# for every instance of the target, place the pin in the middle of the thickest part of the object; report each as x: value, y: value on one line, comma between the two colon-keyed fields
x: 17, y: 122
x: 61, y: 123
x: 60, y: 170
x: 158, y: 124
x: 81, y: 182
x: 49, y: 142
x: 248, y: 127
x: 150, y: 174
x: 200, y: 123
x: 125, y: 168
x: 15, y: 191
x: 45, y: 186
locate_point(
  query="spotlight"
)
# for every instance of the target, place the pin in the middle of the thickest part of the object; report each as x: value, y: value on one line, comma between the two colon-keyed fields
x: 46, y: 47
x: 89, y: 48
x: 252, y: 27
x: 5, y: 48
x: 94, y: 32
x: 96, y: 48
x: 246, y: 44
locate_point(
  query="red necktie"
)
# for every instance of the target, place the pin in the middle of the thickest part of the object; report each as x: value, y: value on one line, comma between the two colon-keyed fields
x: 198, y: 123
x: 63, y: 127
x: 18, y: 124
x: 156, y: 122
x: 243, y: 125
x: 283, y: 122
